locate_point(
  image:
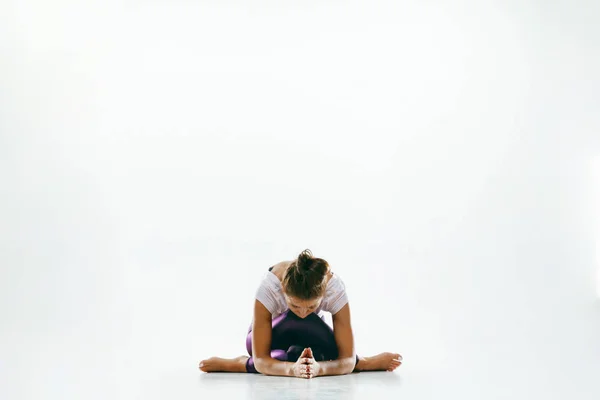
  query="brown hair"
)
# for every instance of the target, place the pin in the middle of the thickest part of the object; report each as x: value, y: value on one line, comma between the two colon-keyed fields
x: 305, y: 277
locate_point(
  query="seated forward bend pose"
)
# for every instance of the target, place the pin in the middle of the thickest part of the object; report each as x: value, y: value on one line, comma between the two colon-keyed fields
x: 288, y: 337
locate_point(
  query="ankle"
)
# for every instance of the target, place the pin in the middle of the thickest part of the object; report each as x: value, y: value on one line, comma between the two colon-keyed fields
x: 363, y: 364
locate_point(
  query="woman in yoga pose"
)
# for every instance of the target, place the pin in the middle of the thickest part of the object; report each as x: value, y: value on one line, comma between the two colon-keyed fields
x: 288, y: 336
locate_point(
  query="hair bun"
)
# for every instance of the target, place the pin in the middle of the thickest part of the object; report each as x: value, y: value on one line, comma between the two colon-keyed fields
x: 305, y: 278
x: 304, y: 262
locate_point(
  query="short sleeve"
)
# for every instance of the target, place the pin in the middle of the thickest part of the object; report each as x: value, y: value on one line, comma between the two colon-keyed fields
x: 337, y: 297
x: 266, y: 295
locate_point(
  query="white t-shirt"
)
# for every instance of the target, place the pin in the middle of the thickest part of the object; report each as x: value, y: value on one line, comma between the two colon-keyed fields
x: 270, y: 294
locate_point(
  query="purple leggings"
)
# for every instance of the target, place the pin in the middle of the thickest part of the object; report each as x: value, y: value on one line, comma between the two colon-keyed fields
x: 292, y: 334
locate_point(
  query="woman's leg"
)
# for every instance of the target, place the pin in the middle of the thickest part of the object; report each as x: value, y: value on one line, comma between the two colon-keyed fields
x: 280, y: 355
x: 292, y: 334
x: 381, y: 362
x: 312, y: 331
x: 217, y: 364
x: 238, y: 364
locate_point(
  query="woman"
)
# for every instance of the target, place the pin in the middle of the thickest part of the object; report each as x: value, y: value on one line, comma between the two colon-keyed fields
x: 288, y: 337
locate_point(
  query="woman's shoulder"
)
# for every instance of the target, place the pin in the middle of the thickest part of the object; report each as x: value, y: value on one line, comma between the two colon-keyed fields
x: 279, y: 269
x: 269, y: 292
x: 335, y: 284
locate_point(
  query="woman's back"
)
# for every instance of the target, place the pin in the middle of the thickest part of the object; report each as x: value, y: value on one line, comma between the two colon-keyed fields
x: 270, y: 291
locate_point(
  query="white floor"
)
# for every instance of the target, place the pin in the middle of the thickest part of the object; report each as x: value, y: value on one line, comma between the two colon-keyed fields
x: 515, y: 346
x: 563, y: 363
x: 354, y: 386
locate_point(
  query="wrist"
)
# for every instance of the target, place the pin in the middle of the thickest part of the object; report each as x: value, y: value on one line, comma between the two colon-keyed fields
x: 321, y: 370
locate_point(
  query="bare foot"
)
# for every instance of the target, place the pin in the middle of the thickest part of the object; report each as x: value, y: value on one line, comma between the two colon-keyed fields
x: 216, y: 364
x: 380, y: 362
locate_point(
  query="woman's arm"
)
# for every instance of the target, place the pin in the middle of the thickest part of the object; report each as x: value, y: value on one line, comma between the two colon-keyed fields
x: 344, y: 338
x: 262, y: 332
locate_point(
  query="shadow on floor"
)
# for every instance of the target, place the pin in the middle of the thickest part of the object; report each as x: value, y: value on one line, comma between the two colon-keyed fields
x: 263, y: 387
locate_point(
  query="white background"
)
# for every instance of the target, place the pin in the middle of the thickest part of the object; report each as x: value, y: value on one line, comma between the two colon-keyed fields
x: 157, y: 157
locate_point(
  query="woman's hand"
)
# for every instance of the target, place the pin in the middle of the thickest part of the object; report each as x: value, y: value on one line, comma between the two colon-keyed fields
x: 306, y: 366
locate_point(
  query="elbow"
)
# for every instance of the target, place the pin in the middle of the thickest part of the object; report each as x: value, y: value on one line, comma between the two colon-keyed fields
x: 350, y: 364
x: 259, y: 365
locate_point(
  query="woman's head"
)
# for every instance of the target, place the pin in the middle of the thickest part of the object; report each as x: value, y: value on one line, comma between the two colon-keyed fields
x: 304, y: 283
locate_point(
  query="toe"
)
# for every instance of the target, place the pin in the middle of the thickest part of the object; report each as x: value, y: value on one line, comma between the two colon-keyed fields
x: 204, y: 366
